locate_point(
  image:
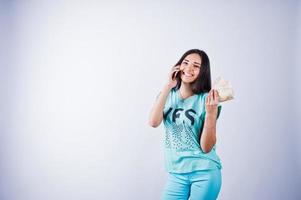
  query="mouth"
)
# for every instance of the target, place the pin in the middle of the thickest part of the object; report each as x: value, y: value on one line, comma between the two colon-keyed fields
x: 188, y: 75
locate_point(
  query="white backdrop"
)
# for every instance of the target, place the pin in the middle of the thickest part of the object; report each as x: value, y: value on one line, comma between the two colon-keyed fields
x: 79, y: 80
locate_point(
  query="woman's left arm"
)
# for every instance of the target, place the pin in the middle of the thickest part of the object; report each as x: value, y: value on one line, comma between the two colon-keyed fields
x: 208, y: 135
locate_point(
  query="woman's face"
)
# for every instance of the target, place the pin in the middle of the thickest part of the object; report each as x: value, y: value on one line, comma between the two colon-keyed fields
x: 190, y: 68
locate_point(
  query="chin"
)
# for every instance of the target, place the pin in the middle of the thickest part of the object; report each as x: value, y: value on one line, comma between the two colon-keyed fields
x: 184, y: 80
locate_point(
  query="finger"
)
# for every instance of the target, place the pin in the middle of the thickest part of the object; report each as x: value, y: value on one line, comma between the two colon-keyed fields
x: 211, y: 97
x: 214, y: 100
x: 175, y: 74
x: 172, y: 74
x: 175, y: 69
x: 216, y: 96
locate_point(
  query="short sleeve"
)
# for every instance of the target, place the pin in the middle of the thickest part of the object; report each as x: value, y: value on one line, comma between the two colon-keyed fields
x: 167, y: 103
x: 167, y: 107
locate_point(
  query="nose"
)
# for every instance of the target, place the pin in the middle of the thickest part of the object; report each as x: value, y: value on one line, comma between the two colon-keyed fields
x: 189, y: 66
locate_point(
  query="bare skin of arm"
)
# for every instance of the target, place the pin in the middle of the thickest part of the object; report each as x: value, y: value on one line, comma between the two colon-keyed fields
x: 208, y: 136
x: 156, y: 113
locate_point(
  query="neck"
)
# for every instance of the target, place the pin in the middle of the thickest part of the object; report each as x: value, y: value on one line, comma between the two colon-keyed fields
x: 185, y: 90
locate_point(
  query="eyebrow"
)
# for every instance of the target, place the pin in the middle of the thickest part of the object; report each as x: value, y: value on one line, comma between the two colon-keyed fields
x: 193, y: 62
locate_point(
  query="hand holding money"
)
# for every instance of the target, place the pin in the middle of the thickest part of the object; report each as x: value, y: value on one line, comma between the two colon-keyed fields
x: 224, y: 89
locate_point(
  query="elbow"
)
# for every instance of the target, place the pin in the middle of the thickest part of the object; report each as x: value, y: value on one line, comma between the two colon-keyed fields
x: 206, y: 148
x: 153, y: 123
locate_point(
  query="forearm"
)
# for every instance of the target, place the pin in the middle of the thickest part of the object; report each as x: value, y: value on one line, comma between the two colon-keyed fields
x: 156, y: 114
x: 208, y: 136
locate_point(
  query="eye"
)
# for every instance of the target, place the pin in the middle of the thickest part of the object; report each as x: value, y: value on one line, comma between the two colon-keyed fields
x: 184, y: 62
x: 196, y: 66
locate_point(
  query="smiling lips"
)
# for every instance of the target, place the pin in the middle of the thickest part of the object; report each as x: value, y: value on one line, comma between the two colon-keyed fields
x: 187, y: 74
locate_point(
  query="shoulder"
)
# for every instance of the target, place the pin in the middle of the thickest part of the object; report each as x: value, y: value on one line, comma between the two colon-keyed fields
x: 172, y: 92
x: 204, y: 95
x: 171, y: 95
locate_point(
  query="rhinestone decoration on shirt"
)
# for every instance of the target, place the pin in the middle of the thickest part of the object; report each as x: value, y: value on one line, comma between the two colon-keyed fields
x: 180, y: 137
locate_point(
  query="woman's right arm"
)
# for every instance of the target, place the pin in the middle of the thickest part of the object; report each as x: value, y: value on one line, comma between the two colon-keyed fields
x: 156, y: 114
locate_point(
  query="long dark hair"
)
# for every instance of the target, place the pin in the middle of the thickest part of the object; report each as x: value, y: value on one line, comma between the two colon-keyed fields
x: 203, y: 81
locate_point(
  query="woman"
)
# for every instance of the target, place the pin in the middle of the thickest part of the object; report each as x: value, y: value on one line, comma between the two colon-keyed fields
x: 189, y: 109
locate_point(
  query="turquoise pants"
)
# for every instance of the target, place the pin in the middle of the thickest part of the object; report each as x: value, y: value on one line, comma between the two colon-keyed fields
x: 197, y: 185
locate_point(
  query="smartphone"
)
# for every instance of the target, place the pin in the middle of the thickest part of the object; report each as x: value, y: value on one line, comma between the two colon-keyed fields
x: 175, y: 74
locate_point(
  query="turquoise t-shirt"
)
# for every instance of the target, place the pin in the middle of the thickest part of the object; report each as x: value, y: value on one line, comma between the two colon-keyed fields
x: 183, y: 121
